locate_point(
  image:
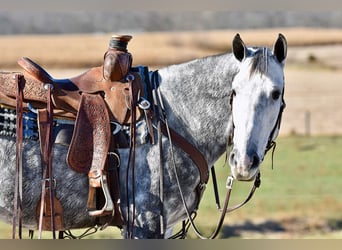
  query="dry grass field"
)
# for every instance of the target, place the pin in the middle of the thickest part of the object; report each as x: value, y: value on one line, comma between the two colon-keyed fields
x: 153, y: 48
x: 313, y: 70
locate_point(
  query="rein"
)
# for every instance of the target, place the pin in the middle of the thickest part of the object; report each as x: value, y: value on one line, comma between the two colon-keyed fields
x: 271, y: 144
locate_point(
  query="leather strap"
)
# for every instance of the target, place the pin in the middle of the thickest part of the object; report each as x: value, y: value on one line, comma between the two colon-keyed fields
x: 17, y: 210
x: 49, y: 208
x: 131, y: 159
x: 224, y: 210
x: 195, y: 155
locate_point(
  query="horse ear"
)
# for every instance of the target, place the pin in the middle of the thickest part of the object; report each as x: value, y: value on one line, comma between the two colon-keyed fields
x: 280, y: 48
x: 239, y: 48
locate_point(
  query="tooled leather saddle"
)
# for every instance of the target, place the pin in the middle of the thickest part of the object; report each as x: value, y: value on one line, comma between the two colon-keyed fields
x: 98, y: 100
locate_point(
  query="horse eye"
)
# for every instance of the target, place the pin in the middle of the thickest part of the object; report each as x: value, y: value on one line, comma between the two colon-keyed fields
x: 275, y: 94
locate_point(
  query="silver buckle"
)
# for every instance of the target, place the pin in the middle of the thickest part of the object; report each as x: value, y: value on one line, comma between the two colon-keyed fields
x: 31, y: 108
x: 144, y: 104
x: 47, y: 86
x: 229, y: 183
x: 117, y: 129
x: 47, y: 183
x: 130, y: 78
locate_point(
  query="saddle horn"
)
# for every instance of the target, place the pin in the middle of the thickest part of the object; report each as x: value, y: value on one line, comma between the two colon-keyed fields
x: 117, y: 61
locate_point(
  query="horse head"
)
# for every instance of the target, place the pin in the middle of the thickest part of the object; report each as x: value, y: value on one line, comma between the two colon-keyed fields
x: 257, y: 103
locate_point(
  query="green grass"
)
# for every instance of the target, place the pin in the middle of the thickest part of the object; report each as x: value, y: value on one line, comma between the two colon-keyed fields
x: 300, y: 196
x: 305, y: 184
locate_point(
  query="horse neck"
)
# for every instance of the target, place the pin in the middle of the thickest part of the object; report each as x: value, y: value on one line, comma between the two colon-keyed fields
x: 196, y: 96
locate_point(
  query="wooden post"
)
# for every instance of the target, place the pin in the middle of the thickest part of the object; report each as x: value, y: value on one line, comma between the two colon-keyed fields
x: 307, y: 123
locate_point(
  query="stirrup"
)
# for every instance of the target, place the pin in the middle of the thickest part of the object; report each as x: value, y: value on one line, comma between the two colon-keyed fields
x: 108, y: 207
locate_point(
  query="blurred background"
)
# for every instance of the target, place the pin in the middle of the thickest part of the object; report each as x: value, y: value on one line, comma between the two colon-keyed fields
x: 301, y: 197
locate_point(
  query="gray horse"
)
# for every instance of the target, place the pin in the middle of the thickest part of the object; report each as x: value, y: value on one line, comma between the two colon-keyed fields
x: 208, y: 100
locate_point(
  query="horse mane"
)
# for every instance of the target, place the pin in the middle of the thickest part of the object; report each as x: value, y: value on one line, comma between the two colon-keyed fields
x: 259, y: 62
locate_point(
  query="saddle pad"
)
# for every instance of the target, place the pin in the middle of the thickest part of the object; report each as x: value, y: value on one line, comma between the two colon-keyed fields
x: 91, y: 137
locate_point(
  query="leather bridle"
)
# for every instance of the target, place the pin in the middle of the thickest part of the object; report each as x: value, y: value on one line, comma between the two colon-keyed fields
x: 229, y: 184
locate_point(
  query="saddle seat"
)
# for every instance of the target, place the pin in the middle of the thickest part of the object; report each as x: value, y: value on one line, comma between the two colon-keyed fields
x: 42, y: 75
x: 67, y: 92
x: 91, y: 81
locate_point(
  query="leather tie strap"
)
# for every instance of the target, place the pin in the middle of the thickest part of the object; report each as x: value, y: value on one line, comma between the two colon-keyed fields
x: 49, y: 208
x: 19, y: 79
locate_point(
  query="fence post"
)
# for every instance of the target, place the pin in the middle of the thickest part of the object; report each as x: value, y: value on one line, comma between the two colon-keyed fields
x: 307, y: 123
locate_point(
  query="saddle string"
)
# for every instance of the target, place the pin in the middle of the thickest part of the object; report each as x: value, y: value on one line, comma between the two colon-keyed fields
x: 45, y: 119
x: 17, y: 201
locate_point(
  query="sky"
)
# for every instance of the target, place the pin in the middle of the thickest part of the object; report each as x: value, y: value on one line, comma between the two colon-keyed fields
x: 171, y: 5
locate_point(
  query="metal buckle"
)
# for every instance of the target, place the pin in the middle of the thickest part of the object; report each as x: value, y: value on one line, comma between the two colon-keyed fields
x: 117, y: 129
x: 47, y: 86
x: 130, y: 78
x: 47, y: 183
x: 109, y: 154
x: 31, y: 108
x: 144, y: 104
x: 229, y: 183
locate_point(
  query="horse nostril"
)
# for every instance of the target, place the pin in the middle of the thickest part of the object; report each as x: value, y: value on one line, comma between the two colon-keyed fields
x: 232, y: 159
x: 256, y: 161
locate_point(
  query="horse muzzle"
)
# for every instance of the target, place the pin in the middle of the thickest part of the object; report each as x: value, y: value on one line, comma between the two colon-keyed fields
x: 244, y: 167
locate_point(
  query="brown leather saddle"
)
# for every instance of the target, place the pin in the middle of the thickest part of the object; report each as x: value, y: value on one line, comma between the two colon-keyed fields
x: 96, y: 99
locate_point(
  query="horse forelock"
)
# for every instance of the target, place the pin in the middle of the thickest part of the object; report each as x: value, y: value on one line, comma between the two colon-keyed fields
x: 260, y: 61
